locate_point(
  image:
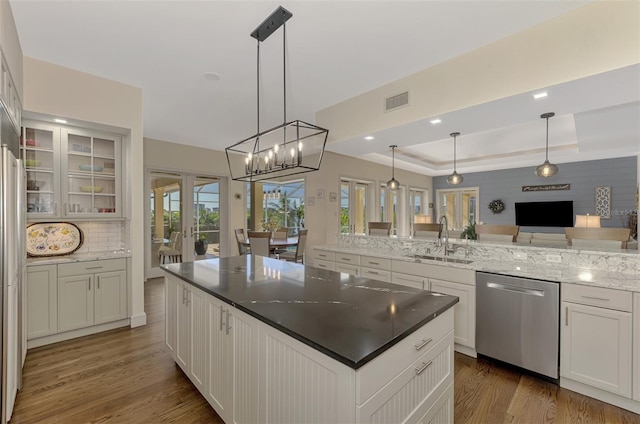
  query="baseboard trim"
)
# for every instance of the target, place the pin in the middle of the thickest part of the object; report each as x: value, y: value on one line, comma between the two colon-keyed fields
x: 81, y: 332
x: 139, y: 320
x: 465, y: 350
x: 603, y: 395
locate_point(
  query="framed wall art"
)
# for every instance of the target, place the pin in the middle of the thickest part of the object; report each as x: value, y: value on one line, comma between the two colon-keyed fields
x: 603, y: 202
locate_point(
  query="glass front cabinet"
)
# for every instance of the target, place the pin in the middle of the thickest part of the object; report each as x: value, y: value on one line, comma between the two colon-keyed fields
x: 71, y: 173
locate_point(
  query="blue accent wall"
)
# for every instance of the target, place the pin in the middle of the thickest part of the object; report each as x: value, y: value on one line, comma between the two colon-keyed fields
x: 620, y: 174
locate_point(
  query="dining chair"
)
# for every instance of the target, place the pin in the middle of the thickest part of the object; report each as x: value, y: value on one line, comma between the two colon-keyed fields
x: 510, y: 230
x: 605, y: 233
x: 298, y: 255
x: 422, y: 230
x: 260, y: 242
x: 587, y: 244
x: 243, y: 249
x: 379, y: 228
x: 281, y: 233
x: 173, y: 251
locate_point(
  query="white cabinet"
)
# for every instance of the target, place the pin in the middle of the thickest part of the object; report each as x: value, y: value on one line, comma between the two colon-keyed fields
x: 408, y: 280
x: 217, y: 348
x: 636, y: 346
x: 595, y: 342
x: 42, y: 295
x: 464, y: 310
x: 91, y: 293
x: 71, y: 172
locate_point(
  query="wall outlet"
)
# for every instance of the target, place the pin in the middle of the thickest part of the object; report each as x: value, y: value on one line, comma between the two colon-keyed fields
x: 554, y: 258
x: 520, y: 255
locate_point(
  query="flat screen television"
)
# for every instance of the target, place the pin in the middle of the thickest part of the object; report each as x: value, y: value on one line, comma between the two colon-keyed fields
x: 545, y: 214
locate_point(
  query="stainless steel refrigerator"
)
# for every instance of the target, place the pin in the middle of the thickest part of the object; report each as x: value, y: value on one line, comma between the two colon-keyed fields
x: 12, y: 263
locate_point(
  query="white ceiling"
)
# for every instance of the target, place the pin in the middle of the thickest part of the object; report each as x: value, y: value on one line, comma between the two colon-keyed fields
x: 336, y: 50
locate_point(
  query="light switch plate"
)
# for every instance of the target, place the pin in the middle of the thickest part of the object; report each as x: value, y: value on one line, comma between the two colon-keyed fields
x: 520, y: 255
x: 554, y: 258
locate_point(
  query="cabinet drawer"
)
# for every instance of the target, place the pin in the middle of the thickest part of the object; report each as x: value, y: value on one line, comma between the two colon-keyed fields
x: 91, y: 267
x: 324, y: 255
x: 376, y: 274
x: 347, y: 258
x: 597, y: 296
x: 324, y: 264
x: 408, y: 280
x: 414, y: 389
x: 392, y: 362
x: 377, y: 263
x: 347, y: 269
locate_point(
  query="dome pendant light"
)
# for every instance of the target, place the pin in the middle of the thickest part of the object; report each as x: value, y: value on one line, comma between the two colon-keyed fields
x: 547, y: 169
x: 455, y: 178
x: 393, y: 184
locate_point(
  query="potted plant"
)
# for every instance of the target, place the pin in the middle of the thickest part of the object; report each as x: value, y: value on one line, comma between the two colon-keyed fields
x: 469, y: 232
x: 201, y: 244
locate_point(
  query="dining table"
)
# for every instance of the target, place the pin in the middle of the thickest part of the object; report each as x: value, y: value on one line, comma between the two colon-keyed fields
x: 278, y: 243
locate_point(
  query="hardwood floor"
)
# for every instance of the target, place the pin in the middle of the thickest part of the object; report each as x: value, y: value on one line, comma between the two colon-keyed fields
x: 128, y: 376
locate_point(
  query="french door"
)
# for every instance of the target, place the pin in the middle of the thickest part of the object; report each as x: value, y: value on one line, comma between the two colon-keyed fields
x: 460, y: 206
x: 187, y: 206
x: 353, y: 206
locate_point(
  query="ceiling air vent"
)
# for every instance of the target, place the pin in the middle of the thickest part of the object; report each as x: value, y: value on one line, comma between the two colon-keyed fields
x: 396, y: 102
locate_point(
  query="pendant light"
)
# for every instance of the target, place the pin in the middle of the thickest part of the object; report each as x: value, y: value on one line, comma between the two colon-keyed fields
x: 291, y: 148
x: 547, y: 169
x: 455, y: 178
x: 393, y: 184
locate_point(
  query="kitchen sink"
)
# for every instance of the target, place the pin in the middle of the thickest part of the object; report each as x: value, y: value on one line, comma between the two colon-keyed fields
x: 442, y: 259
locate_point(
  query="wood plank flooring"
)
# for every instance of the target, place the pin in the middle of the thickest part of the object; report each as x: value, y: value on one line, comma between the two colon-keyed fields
x: 128, y: 376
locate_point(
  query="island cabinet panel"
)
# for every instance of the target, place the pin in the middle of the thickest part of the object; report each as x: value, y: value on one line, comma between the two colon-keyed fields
x: 636, y: 346
x: 442, y: 411
x: 464, y: 311
x: 243, y: 334
x: 171, y: 299
x: 412, y: 392
x: 182, y: 328
x: 301, y: 385
x: 220, y: 366
x: 409, y: 280
x: 198, y: 332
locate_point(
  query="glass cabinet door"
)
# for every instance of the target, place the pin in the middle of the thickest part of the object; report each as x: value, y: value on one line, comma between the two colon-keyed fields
x: 91, y: 162
x: 38, y: 149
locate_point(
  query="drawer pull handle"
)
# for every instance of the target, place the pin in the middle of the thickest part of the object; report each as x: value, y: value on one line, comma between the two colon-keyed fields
x: 221, y: 318
x: 374, y: 263
x: 322, y: 256
x: 424, y: 366
x: 94, y: 267
x: 597, y: 298
x: 423, y: 343
x: 346, y: 259
x: 373, y: 272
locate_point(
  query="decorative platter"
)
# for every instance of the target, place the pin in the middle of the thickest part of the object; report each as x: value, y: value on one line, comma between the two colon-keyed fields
x: 53, y: 239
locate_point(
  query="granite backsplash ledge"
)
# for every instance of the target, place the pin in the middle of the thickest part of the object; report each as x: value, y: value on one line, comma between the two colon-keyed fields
x: 618, y: 261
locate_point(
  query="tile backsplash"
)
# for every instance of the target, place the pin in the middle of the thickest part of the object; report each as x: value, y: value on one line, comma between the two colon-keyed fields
x: 103, y: 236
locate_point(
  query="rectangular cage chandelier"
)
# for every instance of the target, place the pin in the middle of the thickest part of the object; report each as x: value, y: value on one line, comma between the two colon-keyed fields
x: 291, y: 148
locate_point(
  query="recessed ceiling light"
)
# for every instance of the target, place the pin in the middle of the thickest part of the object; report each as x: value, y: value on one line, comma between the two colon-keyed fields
x: 212, y: 76
x: 436, y: 121
x: 540, y: 95
x: 369, y: 137
x: 60, y: 121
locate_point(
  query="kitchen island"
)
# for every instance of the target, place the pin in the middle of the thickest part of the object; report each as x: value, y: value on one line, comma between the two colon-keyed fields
x: 271, y: 341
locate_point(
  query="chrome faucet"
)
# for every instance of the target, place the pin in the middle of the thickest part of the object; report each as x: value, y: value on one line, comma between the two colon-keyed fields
x: 445, y: 227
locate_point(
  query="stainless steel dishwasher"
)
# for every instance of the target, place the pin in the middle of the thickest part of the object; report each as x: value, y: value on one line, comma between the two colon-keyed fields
x: 517, y: 321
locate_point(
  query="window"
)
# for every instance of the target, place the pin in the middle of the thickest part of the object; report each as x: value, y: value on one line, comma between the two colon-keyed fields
x: 418, y: 205
x: 353, y: 206
x: 460, y: 206
x: 282, y: 205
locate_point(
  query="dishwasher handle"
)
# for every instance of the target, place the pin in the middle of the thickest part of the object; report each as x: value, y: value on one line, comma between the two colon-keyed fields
x: 516, y: 289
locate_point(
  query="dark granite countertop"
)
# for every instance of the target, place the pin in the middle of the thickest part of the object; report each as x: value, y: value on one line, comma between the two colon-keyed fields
x: 351, y: 319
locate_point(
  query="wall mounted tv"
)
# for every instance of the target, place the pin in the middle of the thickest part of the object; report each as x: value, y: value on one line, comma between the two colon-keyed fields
x: 545, y: 214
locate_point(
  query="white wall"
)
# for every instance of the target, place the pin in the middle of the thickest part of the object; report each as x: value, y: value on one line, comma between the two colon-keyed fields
x: 62, y: 92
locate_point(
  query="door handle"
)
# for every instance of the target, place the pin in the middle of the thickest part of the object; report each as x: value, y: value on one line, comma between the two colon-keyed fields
x: 516, y: 289
x: 227, y: 323
x: 423, y: 343
x: 424, y: 366
x: 221, y: 318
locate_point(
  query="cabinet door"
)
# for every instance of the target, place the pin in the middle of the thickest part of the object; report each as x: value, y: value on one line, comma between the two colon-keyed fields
x: 182, y: 328
x: 75, y: 302
x: 90, y: 179
x: 171, y: 311
x: 197, y: 304
x: 244, y: 332
x: 596, y: 347
x: 220, y: 369
x: 347, y: 269
x: 39, y: 148
x: 408, y: 280
x: 464, y: 311
x: 110, y: 296
x: 42, y: 298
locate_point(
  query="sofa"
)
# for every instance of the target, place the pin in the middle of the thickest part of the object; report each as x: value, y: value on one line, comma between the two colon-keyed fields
x: 542, y: 239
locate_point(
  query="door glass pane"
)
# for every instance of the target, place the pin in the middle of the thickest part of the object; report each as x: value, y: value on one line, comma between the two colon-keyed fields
x: 36, y: 149
x: 468, y: 208
x: 360, y: 209
x: 283, y: 205
x: 345, y: 198
x: 449, y: 209
x: 166, y: 215
x: 394, y: 208
x: 383, y: 203
x: 206, y: 217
